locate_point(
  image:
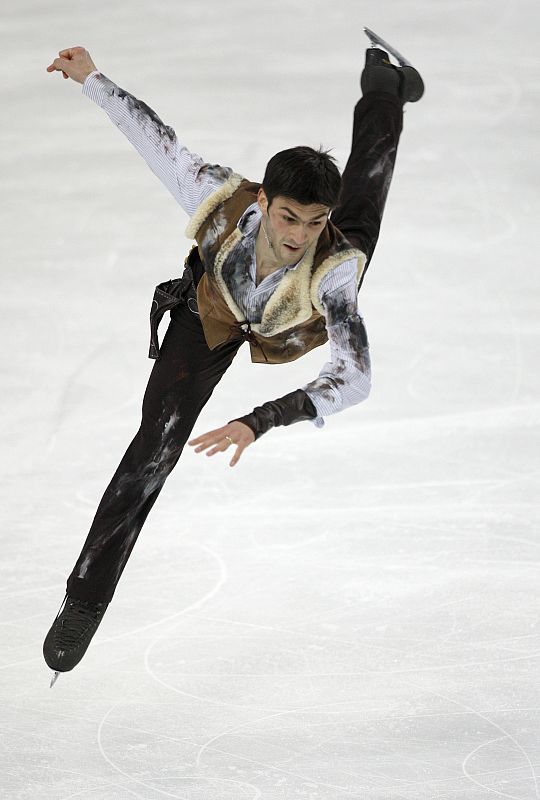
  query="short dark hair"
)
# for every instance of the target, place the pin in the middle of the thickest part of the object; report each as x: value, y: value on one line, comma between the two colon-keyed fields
x: 303, y: 174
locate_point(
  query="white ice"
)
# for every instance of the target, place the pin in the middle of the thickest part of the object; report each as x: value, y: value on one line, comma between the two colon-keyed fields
x: 350, y: 612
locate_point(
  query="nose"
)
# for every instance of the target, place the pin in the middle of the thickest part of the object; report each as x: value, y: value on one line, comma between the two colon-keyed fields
x: 300, y: 239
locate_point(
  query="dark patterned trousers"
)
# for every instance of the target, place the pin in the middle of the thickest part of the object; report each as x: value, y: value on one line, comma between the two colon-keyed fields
x: 184, y: 377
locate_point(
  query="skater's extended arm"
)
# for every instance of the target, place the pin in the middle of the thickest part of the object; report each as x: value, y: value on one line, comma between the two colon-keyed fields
x: 185, y: 174
x: 344, y: 381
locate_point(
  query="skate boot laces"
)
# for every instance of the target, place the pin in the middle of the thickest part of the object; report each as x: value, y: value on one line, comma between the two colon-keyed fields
x: 75, y: 622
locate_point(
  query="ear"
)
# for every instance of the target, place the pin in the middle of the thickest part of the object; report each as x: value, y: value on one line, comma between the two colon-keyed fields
x: 262, y: 200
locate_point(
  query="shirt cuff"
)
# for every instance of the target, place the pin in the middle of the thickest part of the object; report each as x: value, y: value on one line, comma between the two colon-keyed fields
x: 94, y: 87
x: 318, y: 421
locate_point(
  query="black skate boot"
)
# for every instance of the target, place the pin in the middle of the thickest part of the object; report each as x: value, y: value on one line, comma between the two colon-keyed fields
x: 381, y: 75
x: 71, y: 633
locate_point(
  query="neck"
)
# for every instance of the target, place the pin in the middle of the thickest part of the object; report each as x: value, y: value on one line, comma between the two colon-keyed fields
x: 264, y: 252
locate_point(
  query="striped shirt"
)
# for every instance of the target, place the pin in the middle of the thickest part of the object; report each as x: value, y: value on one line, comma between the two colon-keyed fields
x: 345, y: 379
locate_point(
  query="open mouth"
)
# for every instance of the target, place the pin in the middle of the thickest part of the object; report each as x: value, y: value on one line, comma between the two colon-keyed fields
x: 291, y: 248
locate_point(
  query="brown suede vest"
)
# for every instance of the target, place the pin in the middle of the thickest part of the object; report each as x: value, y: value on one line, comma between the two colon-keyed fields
x: 293, y: 320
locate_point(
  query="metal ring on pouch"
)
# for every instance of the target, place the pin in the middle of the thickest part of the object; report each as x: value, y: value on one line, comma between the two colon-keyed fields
x: 188, y: 305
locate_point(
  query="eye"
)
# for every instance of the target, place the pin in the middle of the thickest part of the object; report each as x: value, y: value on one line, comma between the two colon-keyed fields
x: 288, y: 219
x: 319, y: 222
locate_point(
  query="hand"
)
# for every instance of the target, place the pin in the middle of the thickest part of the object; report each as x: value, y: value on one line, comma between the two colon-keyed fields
x: 74, y: 63
x: 241, y: 435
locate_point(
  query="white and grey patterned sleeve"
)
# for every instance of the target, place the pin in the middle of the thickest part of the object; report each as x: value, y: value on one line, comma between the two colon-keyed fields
x: 186, y: 175
x: 345, y: 380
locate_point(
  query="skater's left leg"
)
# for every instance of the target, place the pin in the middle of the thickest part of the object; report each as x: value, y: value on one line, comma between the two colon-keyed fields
x: 377, y: 126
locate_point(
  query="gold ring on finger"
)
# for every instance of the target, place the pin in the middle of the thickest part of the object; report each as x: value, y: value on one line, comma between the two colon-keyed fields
x: 229, y: 439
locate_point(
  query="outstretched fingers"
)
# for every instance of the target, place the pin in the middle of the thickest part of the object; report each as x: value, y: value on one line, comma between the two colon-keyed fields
x: 236, y: 457
x: 220, y: 439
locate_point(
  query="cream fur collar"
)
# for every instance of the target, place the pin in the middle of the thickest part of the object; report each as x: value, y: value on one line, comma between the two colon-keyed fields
x: 298, y: 292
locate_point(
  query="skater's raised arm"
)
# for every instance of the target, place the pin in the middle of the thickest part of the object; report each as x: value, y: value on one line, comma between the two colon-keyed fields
x: 186, y: 175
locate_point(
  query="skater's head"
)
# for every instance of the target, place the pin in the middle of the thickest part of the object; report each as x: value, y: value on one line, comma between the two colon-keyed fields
x: 299, y: 189
x: 303, y: 174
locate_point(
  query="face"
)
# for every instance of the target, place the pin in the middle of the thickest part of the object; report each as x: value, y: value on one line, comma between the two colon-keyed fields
x: 291, y: 227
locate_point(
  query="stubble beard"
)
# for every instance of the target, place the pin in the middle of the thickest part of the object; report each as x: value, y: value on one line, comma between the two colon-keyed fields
x: 282, y: 259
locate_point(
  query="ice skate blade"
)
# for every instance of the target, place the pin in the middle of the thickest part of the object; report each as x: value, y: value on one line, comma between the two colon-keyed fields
x: 376, y: 41
x: 54, y: 679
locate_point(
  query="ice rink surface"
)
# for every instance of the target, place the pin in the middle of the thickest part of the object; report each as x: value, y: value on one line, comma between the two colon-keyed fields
x: 350, y: 612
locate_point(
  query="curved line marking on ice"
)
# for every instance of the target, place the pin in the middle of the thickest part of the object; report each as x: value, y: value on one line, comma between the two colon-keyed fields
x: 506, y: 735
x: 223, y: 575
x: 482, y: 785
x: 256, y: 792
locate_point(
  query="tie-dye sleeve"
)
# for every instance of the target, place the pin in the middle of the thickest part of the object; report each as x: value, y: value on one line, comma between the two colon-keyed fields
x: 186, y: 175
x: 345, y: 380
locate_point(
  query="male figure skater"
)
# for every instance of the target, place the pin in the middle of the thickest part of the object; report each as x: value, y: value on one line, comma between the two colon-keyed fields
x: 270, y: 266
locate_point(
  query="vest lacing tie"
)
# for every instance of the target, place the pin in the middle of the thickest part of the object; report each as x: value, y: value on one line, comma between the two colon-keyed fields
x: 247, y: 334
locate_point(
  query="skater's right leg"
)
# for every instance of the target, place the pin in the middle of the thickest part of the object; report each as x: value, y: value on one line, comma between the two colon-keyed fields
x: 181, y: 383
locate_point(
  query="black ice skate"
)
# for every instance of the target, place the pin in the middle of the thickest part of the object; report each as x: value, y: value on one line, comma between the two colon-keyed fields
x: 381, y: 75
x: 71, y: 633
